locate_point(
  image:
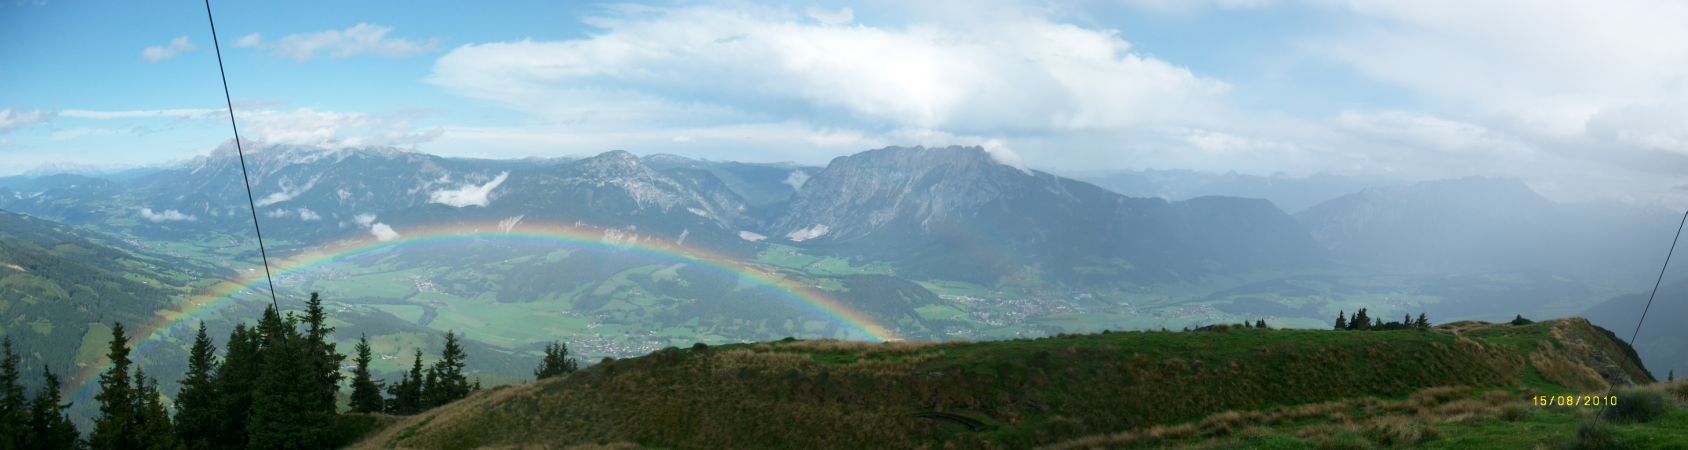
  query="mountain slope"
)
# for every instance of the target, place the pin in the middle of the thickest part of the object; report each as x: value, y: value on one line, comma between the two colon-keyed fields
x: 1292, y: 194
x: 956, y: 213
x: 1013, y: 394
x: 1484, y: 224
x: 56, y: 283
x: 1662, y: 341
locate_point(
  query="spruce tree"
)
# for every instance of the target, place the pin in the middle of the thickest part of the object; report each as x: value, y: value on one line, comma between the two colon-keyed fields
x: 395, y: 395
x: 152, y: 421
x: 321, y: 358
x: 446, y: 382
x: 50, y: 426
x: 366, y: 393
x: 1260, y: 323
x: 1360, y: 321
x: 430, y: 390
x: 114, y: 427
x: 1341, y: 322
x: 1422, y: 323
x: 196, y: 402
x: 556, y: 362
x: 407, y: 395
x: 235, y: 380
x: 14, y: 412
x: 285, y: 409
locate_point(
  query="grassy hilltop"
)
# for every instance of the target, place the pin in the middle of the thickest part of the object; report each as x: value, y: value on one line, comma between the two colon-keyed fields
x: 1224, y: 388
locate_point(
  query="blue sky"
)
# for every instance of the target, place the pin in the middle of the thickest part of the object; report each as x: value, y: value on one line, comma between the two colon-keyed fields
x: 1580, y: 100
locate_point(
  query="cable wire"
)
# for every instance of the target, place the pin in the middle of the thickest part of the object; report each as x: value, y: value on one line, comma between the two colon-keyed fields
x: 244, y: 178
x: 1656, y: 282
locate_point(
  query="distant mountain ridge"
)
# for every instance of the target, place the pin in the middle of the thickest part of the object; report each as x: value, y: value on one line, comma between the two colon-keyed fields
x: 1484, y: 224
x: 1291, y: 193
x: 943, y: 212
x: 957, y: 212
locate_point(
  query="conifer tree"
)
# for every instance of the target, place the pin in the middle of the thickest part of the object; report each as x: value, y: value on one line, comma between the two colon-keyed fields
x: 50, y: 426
x: 556, y: 362
x: 1341, y: 322
x: 114, y: 427
x: 430, y: 389
x: 407, y: 395
x: 446, y: 382
x: 1422, y: 323
x: 321, y: 358
x: 1377, y: 323
x: 14, y: 413
x: 196, y: 402
x: 1672, y: 377
x: 152, y: 421
x: 1360, y: 321
x: 1261, y: 323
x: 395, y: 403
x: 234, y: 381
x: 366, y: 393
x: 285, y: 410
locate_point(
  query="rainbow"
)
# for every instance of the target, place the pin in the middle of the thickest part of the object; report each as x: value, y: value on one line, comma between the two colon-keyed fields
x: 199, y: 306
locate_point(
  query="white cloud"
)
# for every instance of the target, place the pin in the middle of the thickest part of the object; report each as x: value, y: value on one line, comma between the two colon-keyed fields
x: 12, y: 119
x: 364, y: 219
x: 288, y: 192
x: 1427, y: 132
x: 144, y: 114
x: 78, y: 133
x: 805, y: 234
x: 331, y: 129
x: 796, y: 179
x: 468, y: 194
x: 509, y: 224
x: 1581, y: 79
x: 382, y: 232
x: 177, y: 47
x: 250, y: 41
x: 360, y: 39
x: 169, y: 215
x: 675, y: 65
x: 750, y: 236
x: 1005, y: 156
x: 304, y: 214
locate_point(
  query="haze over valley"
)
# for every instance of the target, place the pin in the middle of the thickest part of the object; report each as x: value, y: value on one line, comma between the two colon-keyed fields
x: 784, y: 209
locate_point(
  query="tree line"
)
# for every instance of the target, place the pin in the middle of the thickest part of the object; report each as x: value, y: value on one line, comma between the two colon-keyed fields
x: 1362, y: 321
x: 276, y: 386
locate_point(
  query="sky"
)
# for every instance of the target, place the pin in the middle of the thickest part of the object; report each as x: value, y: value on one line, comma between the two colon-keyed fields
x: 1583, y: 100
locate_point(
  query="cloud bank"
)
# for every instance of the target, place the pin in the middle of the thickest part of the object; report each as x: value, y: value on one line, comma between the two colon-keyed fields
x: 169, y: 215
x: 359, y: 40
x: 468, y: 194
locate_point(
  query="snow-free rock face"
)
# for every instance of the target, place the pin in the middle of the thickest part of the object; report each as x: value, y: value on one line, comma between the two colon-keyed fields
x: 859, y: 194
x: 955, y: 211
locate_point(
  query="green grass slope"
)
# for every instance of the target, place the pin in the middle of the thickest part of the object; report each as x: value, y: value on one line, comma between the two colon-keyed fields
x: 1012, y: 394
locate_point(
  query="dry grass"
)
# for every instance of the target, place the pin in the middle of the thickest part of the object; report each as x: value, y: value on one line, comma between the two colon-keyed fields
x: 1386, y: 423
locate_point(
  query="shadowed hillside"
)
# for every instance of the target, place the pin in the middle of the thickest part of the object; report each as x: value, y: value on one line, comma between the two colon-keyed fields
x: 1014, y: 394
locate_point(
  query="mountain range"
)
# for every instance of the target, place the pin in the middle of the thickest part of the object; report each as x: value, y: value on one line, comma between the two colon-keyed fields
x: 923, y: 243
